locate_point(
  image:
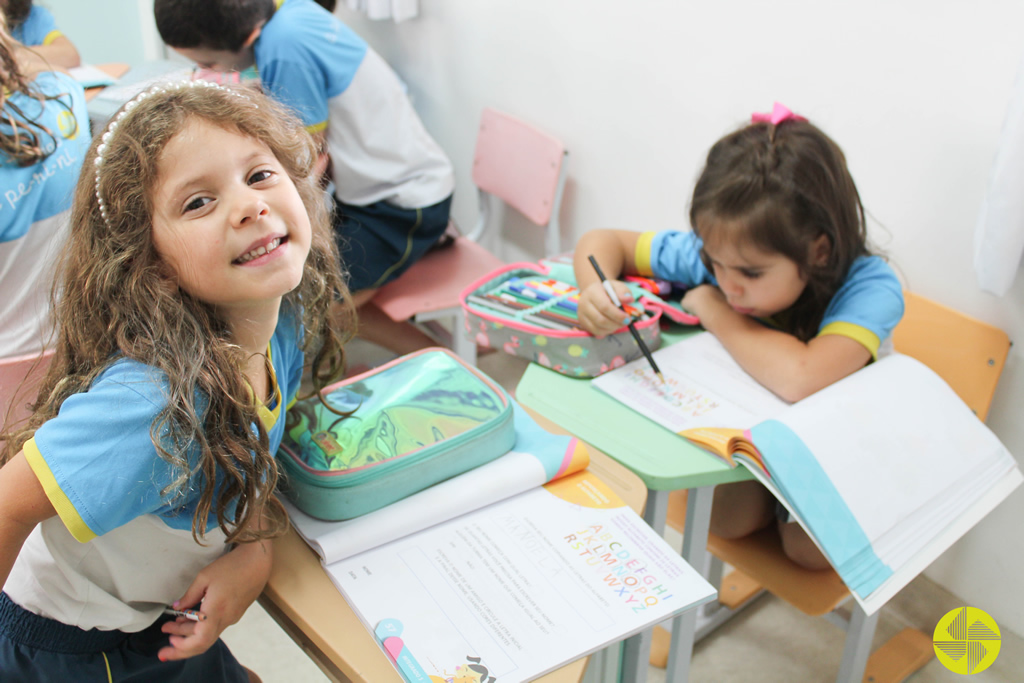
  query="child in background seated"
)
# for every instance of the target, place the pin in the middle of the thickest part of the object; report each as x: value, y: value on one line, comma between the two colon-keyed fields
x: 777, y: 267
x: 42, y: 145
x: 35, y: 28
x: 393, y: 184
x: 199, y: 268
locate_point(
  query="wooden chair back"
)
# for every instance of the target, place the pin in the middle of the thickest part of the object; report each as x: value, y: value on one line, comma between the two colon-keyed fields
x: 968, y: 353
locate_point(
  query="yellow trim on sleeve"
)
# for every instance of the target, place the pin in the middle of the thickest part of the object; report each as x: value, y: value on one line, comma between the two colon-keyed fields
x: 65, y: 509
x: 278, y: 3
x: 52, y: 36
x: 316, y: 128
x: 864, y: 336
x: 642, y: 254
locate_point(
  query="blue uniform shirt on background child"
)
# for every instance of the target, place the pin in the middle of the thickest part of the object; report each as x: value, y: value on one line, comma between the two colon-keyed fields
x: 39, y: 28
x: 380, y: 151
x: 35, y: 28
x: 866, y: 307
x: 34, y: 210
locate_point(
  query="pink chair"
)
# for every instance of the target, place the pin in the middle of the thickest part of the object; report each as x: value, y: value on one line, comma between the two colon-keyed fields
x: 514, y: 164
x: 19, y: 376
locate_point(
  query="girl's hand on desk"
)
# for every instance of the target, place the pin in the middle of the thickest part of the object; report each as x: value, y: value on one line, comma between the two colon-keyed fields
x: 596, y: 312
x: 222, y: 592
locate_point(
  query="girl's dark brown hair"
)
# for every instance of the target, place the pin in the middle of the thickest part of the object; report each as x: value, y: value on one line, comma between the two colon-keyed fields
x: 16, y: 11
x: 23, y: 140
x: 112, y: 300
x: 780, y: 188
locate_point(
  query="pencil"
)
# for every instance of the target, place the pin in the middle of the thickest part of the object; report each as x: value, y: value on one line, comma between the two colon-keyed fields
x: 190, y: 614
x: 632, y: 326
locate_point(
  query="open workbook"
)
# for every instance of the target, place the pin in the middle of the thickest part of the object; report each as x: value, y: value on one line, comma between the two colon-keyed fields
x: 885, y: 469
x: 513, y: 568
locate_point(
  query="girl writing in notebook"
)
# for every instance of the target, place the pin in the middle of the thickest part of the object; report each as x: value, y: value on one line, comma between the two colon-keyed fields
x: 777, y: 267
x: 199, y: 268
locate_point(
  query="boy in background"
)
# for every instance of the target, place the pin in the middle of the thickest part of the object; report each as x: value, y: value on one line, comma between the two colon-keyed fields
x: 393, y: 183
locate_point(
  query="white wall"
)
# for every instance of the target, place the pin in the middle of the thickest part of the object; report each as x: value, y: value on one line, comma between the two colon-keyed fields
x: 915, y: 93
x: 111, y: 31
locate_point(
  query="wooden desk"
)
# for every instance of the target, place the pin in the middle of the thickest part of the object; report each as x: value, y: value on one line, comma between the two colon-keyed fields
x: 307, y: 605
x: 664, y: 461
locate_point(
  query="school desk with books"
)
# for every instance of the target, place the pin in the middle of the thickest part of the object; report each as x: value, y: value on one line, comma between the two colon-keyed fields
x: 663, y: 461
x: 885, y: 469
x: 496, y: 569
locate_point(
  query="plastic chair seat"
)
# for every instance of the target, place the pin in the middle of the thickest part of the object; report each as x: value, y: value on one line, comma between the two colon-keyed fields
x: 760, y: 555
x: 435, y: 282
x: 19, y: 376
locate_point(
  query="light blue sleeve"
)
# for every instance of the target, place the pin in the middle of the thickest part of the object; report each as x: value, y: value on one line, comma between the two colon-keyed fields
x: 871, y: 299
x: 37, y: 26
x: 300, y: 86
x: 675, y: 256
x: 101, y: 455
x: 305, y: 57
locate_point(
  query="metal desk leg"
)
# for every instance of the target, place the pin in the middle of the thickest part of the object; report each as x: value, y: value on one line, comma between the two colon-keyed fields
x: 603, y: 666
x: 656, y: 510
x: 859, y: 634
x: 636, y: 651
x: 695, y: 543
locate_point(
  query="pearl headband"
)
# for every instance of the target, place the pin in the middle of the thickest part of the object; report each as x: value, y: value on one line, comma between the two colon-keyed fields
x: 134, y: 102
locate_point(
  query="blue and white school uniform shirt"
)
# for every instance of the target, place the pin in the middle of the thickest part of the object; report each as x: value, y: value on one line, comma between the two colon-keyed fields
x: 39, y: 28
x: 35, y: 203
x: 120, y: 548
x: 332, y: 79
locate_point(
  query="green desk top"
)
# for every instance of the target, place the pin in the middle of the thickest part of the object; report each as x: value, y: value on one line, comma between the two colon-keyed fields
x: 663, y: 460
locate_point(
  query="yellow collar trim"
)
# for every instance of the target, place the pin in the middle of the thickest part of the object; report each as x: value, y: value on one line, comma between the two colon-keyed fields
x: 270, y: 416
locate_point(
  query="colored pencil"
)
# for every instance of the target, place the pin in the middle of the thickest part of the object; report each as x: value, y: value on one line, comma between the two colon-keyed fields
x: 632, y: 326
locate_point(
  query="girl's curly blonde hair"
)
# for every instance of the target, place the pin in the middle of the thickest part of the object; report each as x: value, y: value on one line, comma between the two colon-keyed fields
x: 111, y: 301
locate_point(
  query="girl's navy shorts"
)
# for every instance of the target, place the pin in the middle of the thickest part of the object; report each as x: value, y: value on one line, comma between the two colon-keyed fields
x: 380, y: 241
x: 35, y: 648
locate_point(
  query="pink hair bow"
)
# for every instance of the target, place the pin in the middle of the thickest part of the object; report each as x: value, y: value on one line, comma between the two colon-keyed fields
x: 779, y: 113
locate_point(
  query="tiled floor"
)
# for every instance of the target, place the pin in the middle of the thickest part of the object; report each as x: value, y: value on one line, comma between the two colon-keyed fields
x: 768, y: 642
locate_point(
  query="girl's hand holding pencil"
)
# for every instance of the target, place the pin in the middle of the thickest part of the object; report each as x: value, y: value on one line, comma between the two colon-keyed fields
x: 598, y: 314
x: 606, y: 285
x: 219, y: 595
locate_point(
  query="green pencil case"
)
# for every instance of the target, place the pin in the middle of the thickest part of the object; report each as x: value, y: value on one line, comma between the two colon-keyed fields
x: 416, y: 421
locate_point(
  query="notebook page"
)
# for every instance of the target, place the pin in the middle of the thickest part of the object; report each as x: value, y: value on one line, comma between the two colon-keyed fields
x: 507, y: 476
x: 890, y: 437
x: 704, y: 387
